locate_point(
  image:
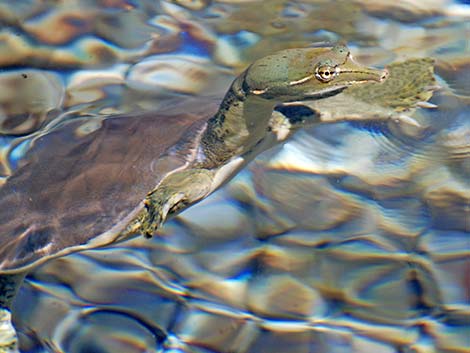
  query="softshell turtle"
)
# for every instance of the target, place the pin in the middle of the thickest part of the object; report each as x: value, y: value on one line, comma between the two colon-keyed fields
x: 80, y: 188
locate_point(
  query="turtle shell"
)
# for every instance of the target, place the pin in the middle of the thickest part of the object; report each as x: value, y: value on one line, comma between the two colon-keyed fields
x: 78, y: 187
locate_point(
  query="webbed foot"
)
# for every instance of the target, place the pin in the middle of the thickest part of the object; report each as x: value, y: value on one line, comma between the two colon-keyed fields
x: 175, y: 193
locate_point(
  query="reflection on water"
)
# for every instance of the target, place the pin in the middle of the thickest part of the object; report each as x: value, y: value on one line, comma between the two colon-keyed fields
x: 349, y: 238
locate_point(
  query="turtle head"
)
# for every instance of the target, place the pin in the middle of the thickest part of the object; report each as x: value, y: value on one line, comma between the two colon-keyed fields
x: 306, y: 74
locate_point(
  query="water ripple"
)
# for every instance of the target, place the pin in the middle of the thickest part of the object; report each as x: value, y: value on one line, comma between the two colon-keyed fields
x: 350, y: 238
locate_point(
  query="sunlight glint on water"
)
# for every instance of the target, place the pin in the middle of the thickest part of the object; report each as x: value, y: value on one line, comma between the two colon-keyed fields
x: 351, y: 238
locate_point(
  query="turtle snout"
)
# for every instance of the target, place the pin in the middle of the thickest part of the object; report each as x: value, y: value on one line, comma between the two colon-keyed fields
x: 384, y: 75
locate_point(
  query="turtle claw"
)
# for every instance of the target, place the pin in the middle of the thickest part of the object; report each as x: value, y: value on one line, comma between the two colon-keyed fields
x: 158, y: 207
x: 407, y: 120
x: 150, y: 218
x: 156, y: 213
x: 426, y: 105
x: 174, y: 194
x: 158, y: 210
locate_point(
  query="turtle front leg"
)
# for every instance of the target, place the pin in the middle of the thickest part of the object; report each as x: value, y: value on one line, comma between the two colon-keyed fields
x: 9, y: 285
x: 175, y: 193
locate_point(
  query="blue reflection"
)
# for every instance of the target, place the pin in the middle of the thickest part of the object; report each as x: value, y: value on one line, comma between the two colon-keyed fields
x: 18, y: 152
x: 242, y: 39
x: 193, y: 46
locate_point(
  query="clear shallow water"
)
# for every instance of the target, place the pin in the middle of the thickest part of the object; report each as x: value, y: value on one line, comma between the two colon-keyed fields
x: 350, y: 238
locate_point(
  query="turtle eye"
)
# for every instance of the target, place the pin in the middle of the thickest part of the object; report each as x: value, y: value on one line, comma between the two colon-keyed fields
x: 325, y: 73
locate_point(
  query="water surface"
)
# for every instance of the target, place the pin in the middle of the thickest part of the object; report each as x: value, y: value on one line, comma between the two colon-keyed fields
x: 350, y: 238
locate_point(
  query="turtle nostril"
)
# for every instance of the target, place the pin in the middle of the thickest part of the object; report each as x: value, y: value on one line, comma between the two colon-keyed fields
x: 384, y: 75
